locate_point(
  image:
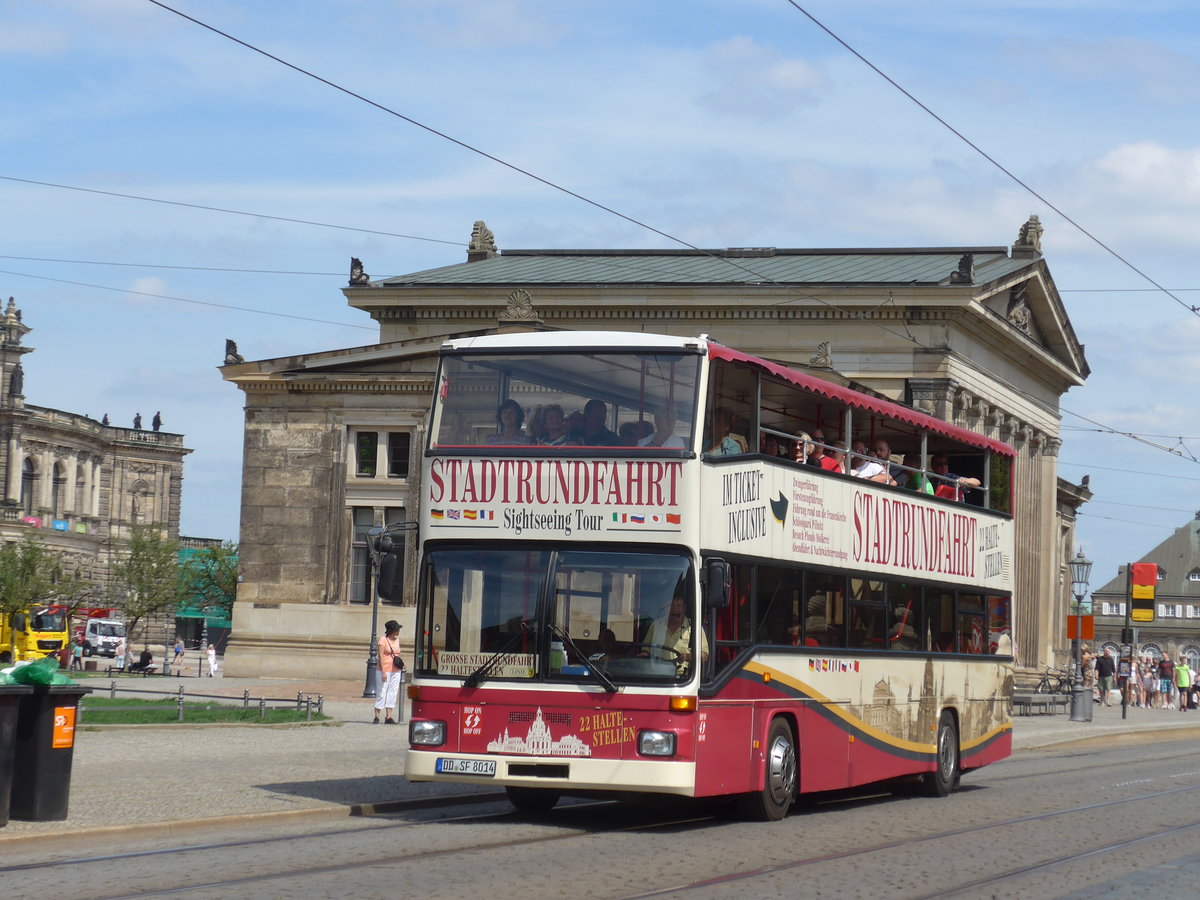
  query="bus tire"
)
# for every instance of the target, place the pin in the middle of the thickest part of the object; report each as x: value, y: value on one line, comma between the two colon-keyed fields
x: 779, y: 776
x: 944, y: 778
x: 531, y: 800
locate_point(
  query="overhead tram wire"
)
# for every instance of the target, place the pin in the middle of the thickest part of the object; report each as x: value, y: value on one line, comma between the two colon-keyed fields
x: 637, y: 222
x: 247, y: 309
x: 232, y: 212
x: 962, y: 137
x: 94, y: 262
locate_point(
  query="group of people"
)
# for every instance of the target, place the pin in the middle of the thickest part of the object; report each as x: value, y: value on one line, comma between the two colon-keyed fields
x: 550, y: 426
x: 1161, y: 683
x: 144, y: 661
x: 873, y: 464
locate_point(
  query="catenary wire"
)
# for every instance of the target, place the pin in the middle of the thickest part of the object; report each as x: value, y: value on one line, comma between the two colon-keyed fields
x: 95, y: 262
x: 248, y: 309
x: 962, y: 137
x: 232, y: 212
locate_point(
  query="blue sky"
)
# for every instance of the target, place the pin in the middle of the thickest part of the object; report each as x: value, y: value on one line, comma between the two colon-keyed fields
x: 724, y: 123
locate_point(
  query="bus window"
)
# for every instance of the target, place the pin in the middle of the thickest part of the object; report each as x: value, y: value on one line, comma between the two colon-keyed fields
x: 904, y: 614
x: 733, y: 411
x: 823, y: 619
x: 939, y: 622
x: 971, y: 627
x: 733, y: 622
x: 867, y: 613
x: 778, y: 609
x: 999, y: 626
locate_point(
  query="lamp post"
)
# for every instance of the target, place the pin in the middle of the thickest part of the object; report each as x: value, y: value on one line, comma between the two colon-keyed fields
x: 1081, y: 700
x: 374, y: 540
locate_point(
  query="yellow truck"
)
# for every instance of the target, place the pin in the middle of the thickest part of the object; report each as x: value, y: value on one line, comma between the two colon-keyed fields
x: 34, y: 632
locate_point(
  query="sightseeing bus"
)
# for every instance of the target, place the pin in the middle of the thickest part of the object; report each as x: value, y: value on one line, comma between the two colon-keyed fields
x: 648, y: 566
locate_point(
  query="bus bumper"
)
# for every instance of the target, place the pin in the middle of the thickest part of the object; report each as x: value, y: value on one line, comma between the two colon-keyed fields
x: 566, y: 774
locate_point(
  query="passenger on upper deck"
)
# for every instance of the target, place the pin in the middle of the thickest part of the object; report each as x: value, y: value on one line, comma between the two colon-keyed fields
x: 510, y: 417
x: 594, y: 432
x: 949, y: 485
x: 664, y: 431
x: 725, y: 442
x: 883, y: 453
x: 866, y: 467
x: 555, y: 427
x: 916, y: 481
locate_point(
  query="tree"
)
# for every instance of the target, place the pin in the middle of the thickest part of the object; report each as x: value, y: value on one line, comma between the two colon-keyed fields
x: 210, y: 578
x: 26, y: 573
x: 150, y: 574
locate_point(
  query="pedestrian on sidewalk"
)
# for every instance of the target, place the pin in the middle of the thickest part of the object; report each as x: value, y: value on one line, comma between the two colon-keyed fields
x: 76, y: 656
x: 212, y: 661
x: 1183, y: 681
x: 119, y: 655
x: 178, y: 650
x: 1104, y: 674
x: 387, y: 672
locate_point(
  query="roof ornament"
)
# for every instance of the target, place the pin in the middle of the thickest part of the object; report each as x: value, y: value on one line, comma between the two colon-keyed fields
x: 483, y: 243
x: 520, y: 309
x: 232, y: 357
x: 357, y: 275
x: 1029, y: 238
x: 1018, y: 313
x: 822, y: 359
x: 965, y: 273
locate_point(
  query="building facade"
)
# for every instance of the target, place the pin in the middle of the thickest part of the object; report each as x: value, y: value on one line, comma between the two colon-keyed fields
x: 977, y: 336
x: 1176, y: 626
x: 81, y: 485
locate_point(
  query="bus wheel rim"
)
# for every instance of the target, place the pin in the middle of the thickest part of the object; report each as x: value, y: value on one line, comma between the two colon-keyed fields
x: 781, y: 770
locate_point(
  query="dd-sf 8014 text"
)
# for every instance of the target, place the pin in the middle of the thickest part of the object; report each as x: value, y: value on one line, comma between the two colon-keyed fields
x: 642, y: 571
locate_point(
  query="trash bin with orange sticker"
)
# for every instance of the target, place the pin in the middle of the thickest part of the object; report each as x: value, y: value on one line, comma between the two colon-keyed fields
x: 10, y: 702
x: 44, y: 750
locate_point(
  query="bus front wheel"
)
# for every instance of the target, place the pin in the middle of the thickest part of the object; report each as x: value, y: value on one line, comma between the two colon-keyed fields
x: 944, y: 779
x: 779, y: 777
x: 532, y: 800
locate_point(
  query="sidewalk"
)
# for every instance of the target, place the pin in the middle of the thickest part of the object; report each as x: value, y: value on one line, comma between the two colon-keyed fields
x: 147, y: 776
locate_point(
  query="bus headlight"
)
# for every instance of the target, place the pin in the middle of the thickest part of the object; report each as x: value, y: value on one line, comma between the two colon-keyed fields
x: 656, y: 743
x: 429, y: 732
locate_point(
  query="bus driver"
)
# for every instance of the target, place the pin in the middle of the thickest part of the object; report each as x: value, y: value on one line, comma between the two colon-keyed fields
x: 675, y: 643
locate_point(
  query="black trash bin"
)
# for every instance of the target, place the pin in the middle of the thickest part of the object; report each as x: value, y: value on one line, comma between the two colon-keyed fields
x: 45, y: 747
x: 10, y: 701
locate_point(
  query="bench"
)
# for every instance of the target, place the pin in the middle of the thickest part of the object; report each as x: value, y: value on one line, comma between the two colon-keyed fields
x: 1028, y: 704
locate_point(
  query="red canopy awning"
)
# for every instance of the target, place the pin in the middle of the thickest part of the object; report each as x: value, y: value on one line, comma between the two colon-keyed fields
x: 884, y: 408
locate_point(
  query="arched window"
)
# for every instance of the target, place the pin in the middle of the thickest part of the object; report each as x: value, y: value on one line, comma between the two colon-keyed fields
x: 1152, y: 650
x: 28, y: 486
x: 58, y: 490
x: 1192, y: 654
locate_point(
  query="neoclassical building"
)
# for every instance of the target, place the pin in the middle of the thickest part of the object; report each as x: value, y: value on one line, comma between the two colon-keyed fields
x: 977, y: 336
x: 78, y: 483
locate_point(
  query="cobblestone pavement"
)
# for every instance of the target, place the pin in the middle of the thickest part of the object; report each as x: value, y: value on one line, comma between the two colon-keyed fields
x: 139, y: 775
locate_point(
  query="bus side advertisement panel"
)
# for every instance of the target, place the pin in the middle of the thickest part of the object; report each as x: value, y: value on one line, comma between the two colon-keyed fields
x: 785, y: 513
x: 550, y: 499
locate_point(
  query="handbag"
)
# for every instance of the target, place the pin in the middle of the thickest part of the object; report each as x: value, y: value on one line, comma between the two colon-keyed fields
x: 397, y: 659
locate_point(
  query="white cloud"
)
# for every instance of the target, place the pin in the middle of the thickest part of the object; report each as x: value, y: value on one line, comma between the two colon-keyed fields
x: 748, y: 79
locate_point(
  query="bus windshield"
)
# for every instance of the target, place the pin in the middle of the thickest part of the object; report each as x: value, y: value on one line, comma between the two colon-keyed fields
x: 592, y: 398
x: 556, y: 616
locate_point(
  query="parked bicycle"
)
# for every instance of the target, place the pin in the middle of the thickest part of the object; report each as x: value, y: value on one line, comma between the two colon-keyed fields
x: 1054, y: 681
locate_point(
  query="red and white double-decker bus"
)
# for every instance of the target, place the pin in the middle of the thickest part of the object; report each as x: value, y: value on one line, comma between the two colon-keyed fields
x: 642, y: 571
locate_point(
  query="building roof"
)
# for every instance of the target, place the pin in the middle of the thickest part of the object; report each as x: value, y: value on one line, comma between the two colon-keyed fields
x: 1177, y: 558
x: 753, y: 265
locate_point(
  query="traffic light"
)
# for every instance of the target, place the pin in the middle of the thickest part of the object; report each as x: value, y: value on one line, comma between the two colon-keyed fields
x: 1142, y: 579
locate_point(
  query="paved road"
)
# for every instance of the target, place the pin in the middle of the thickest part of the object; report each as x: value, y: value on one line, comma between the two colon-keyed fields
x: 191, y: 775
x: 1077, y: 823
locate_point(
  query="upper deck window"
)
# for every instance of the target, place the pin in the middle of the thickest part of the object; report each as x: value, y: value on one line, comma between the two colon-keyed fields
x: 595, y: 398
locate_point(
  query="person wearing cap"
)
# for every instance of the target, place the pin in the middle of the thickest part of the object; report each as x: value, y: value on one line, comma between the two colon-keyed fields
x: 387, y: 672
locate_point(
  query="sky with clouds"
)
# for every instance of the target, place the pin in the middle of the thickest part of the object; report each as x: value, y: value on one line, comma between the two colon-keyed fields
x: 721, y: 122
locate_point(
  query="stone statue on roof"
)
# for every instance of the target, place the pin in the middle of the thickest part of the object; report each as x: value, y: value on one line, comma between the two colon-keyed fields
x: 1029, y: 238
x: 232, y: 357
x: 482, y: 238
x: 965, y: 273
x: 357, y: 275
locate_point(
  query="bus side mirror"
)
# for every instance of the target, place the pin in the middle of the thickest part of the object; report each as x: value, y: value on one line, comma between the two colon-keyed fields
x: 716, y: 583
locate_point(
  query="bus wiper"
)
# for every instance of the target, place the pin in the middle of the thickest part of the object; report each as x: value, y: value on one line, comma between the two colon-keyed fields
x: 476, y: 677
x: 604, y: 680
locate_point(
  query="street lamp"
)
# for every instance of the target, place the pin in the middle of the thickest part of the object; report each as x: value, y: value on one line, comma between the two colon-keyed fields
x: 1081, y: 701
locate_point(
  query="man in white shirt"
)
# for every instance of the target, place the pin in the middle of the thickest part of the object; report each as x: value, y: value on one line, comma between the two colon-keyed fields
x: 866, y: 467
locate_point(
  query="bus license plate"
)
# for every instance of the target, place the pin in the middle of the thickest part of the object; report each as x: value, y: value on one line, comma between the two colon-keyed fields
x: 450, y: 766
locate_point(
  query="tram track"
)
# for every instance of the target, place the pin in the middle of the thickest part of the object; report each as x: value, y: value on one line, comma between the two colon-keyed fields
x: 564, y: 832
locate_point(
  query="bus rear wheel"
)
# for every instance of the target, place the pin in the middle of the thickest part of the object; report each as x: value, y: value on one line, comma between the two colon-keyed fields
x: 779, y: 777
x: 532, y: 800
x: 944, y: 778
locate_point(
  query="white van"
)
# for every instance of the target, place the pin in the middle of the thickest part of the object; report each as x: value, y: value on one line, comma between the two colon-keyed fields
x: 101, y: 636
